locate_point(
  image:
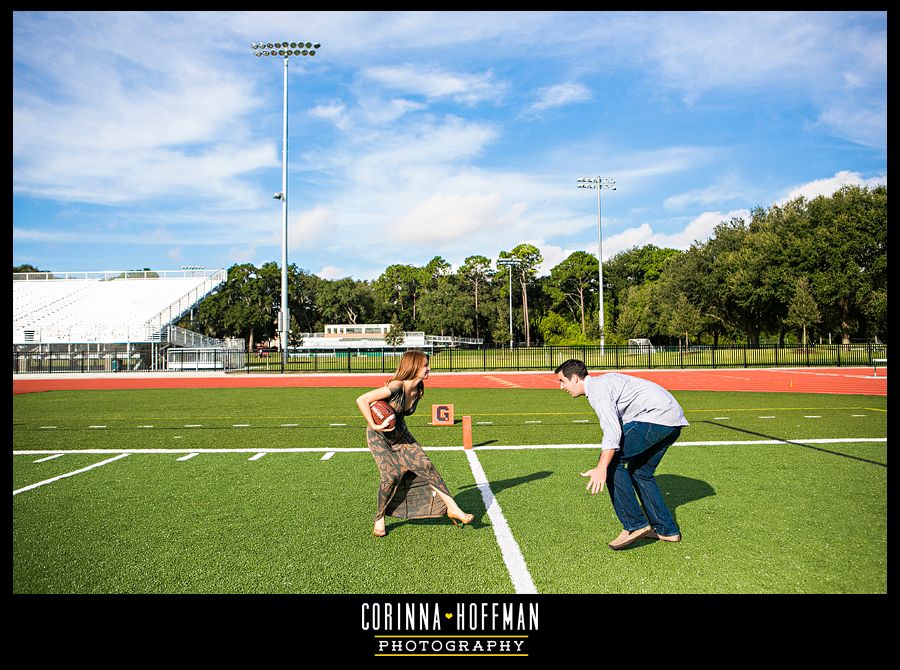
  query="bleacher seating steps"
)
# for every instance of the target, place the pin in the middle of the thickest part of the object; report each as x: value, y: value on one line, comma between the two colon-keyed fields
x: 91, y: 310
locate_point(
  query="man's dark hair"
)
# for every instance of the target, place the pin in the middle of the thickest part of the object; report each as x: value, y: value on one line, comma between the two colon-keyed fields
x: 572, y: 367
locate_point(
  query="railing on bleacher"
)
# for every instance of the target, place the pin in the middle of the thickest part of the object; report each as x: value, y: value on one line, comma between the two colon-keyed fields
x: 154, y: 325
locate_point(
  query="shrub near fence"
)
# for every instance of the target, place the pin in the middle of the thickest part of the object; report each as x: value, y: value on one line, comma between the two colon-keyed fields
x: 475, y: 360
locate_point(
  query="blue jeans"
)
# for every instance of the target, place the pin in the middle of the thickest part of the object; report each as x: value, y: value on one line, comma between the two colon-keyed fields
x: 631, y: 470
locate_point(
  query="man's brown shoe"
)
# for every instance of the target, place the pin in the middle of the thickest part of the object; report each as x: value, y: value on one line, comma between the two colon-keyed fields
x: 627, y: 538
x: 665, y: 538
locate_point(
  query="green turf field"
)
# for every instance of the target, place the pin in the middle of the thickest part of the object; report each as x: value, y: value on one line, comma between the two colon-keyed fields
x: 758, y: 514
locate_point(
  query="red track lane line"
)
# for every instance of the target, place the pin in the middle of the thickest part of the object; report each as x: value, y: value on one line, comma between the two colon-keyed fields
x: 858, y: 381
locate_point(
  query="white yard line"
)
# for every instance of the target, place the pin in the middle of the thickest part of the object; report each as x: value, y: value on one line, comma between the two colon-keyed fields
x: 509, y: 548
x: 525, y: 447
x: 187, y: 457
x: 48, y: 458
x: 256, y: 457
x: 68, y: 474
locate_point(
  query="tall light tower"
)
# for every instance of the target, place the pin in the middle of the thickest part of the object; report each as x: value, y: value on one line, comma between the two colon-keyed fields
x: 599, y: 183
x: 284, y: 50
x: 510, y: 263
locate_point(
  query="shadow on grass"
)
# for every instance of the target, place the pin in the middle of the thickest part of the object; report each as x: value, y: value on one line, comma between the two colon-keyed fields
x: 795, y: 443
x: 469, y: 499
x: 677, y: 491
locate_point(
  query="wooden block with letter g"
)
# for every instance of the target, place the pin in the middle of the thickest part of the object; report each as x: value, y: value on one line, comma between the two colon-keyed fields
x: 442, y: 415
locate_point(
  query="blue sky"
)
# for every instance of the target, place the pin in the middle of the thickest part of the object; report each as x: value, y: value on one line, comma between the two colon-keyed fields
x: 154, y: 139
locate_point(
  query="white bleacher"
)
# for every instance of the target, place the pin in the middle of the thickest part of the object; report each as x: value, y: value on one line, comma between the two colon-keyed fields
x: 108, y: 309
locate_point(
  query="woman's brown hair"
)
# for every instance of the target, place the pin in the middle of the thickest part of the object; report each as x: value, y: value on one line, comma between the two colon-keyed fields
x: 410, y: 364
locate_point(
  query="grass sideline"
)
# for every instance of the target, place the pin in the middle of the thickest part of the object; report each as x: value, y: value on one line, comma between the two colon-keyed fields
x: 804, y: 517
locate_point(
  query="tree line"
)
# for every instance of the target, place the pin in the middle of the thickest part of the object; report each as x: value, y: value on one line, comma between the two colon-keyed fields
x: 803, y: 270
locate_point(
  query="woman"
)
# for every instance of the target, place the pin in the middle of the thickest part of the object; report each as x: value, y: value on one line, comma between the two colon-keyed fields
x: 411, y: 487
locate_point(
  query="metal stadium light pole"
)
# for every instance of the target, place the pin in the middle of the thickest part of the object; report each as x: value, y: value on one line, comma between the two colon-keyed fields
x: 284, y: 50
x: 599, y: 183
x: 510, y: 263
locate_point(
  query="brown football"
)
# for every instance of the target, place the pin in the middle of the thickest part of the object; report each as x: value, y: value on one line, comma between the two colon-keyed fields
x: 381, y: 410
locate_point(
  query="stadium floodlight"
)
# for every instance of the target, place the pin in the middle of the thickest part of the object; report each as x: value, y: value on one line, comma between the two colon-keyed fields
x: 284, y: 50
x: 511, y: 263
x: 599, y: 183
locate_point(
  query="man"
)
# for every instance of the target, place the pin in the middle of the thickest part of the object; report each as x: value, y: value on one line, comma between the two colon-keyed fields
x: 640, y: 421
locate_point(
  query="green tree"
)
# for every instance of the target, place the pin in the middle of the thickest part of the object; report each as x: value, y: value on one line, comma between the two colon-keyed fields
x: 444, y: 309
x: 690, y: 273
x: 849, y: 254
x: 243, y: 306
x: 639, y: 313
x: 346, y: 301
x: 721, y: 257
x: 303, y: 287
x: 633, y: 267
x: 524, y: 273
x: 432, y: 273
x: 26, y: 267
x: 477, y: 273
x: 573, y: 279
x: 683, y: 318
x: 398, y: 288
x: 803, y: 310
x: 395, y: 336
x: 556, y: 330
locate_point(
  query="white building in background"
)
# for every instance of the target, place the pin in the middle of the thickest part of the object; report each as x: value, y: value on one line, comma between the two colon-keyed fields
x: 371, y: 336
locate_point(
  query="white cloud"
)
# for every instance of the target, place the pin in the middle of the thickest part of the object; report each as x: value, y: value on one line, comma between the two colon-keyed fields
x: 559, y: 95
x: 381, y: 113
x: 400, y: 165
x: 698, y: 229
x: 449, y: 216
x: 335, y: 113
x: 331, y: 272
x: 788, y: 55
x: 311, y: 226
x: 240, y: 255
x: 120, y: 117
x: 829, y: 185
x: 726, y: 190
x: 553, y: 255
x: 857, y: 120
x: 434, y: 83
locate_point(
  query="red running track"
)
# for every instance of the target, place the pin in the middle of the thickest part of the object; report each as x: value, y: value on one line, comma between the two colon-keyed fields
x: 790, y: 380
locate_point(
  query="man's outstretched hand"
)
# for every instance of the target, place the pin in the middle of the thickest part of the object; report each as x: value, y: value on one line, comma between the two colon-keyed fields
x: 597, y: 481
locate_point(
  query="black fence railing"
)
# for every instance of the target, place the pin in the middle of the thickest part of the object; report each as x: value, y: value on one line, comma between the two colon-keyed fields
x: 83, y: 358
x: 454, y: 360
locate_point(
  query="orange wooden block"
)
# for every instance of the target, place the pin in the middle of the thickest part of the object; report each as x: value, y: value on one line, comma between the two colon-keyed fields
x: 442, y: 415
x: 467, y: 432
